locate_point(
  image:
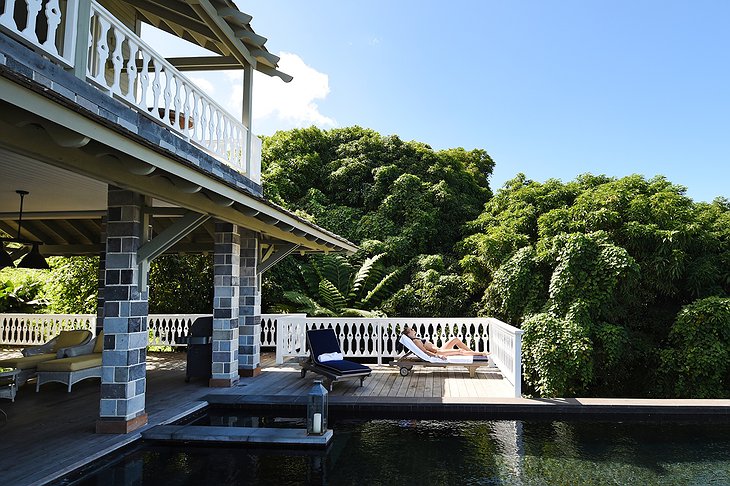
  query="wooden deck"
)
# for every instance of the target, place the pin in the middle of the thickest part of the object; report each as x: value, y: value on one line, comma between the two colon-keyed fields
x: 52, y: 432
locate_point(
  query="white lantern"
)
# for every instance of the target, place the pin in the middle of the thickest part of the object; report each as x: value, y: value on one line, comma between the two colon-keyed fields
x: 317, y: 409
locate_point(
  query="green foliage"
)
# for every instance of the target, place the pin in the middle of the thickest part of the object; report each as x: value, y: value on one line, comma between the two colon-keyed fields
x: 432, y: 292
x: 400, y: 199
x: 21, y: 297
x: 332, y: 286
x: 630, y: 252
x: 365, y: 186
x: 181, y: 284
x: 517, y: 289
x: 557, y: 354
x: 697, y: 364
x: 73, y: 286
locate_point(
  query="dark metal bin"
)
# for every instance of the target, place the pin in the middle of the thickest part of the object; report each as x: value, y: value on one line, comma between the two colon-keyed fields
x: 200, y: 349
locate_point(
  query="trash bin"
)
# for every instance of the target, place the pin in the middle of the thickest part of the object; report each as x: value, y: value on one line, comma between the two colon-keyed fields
x: 200, y: 349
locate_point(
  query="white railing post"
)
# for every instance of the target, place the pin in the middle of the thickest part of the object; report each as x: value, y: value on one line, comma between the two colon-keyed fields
x: 517, y: 380
x: 505, y: 346
x: 280, y: 333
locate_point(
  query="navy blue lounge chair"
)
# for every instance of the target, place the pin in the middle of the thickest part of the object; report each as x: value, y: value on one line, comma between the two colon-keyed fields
x: 324, y: 342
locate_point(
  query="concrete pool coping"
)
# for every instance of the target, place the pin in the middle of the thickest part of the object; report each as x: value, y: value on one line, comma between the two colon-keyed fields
x: 491, y: 408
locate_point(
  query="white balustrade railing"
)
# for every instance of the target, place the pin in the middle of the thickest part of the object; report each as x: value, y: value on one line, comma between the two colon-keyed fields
x: 505, y: 347
x: 125, y: 67
x: 122, y: 64
x: 359, y: 337
x: 47, y: 25
x: 170, y: 329
x: 35, y: 329
x: 164, y: 329
x: 378, y: 338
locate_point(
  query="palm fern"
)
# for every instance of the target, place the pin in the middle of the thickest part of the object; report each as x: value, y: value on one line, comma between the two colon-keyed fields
x: 335, y: 287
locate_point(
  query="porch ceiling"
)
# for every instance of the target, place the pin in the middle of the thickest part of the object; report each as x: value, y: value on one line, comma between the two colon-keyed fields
x: 64, y: 210
x: 217, y: 25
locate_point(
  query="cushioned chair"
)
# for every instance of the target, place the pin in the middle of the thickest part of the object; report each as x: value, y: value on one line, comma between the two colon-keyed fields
x: 414, y: 356
x: 325, y: 358
x: 55, y: 348
x: 80, y: 363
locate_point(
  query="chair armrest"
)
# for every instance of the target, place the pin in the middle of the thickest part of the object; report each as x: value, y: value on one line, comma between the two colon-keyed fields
x: 43, y: 348
x: 72, y: 351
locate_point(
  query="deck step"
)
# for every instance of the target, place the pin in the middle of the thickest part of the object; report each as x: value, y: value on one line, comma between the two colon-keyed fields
x: 251, y: 435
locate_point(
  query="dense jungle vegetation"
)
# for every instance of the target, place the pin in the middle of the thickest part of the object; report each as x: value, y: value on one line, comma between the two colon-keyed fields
x: 620, y: 284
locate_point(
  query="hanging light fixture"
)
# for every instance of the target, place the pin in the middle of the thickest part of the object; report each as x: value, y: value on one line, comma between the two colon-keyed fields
x: 33, y: 259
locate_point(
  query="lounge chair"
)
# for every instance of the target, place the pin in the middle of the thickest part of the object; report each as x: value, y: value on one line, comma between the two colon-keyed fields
x: 80, y: 363
x: 55, y: 348
x: 325, y: 358
x: 414, y: 356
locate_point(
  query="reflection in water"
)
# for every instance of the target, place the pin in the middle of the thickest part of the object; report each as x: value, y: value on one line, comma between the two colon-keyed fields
x: 443, y: 452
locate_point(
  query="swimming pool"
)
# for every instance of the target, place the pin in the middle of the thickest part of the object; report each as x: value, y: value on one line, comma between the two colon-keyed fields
x: 426, y: 452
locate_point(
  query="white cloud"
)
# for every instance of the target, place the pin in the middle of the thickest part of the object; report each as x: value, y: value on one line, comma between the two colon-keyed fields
x: 204, y: 85
x: 286, y: 105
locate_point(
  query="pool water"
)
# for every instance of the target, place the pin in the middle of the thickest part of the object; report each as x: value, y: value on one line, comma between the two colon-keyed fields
x: 428, y: 452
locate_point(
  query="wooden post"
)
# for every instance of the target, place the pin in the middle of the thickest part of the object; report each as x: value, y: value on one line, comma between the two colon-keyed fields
x: 247, y: 113
x: 81, y: 49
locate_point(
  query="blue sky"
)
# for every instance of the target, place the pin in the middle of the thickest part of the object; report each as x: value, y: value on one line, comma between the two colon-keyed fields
x: 548, y: 88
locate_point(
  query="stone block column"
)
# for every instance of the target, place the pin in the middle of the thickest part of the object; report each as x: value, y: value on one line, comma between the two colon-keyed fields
x: 226, y: 270
x: 100, y: 282
x: 124, y: 358
x: 249, y: 320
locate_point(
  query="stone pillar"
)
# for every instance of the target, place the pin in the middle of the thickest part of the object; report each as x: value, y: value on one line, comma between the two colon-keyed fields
x: 124, y: 358
x: 100, y: 281
x: 249, y: 320
x: 225, y: 305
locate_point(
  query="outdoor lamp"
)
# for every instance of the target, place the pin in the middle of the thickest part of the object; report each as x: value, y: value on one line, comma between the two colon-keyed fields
x: 5, y: 259
x: 33, y: 259
x: 317, y: 409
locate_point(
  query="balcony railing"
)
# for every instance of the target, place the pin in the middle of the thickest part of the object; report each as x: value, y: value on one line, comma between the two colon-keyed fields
x: 123, y: 66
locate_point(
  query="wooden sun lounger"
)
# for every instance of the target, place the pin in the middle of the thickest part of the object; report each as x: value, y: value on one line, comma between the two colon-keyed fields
x: 413, y: 356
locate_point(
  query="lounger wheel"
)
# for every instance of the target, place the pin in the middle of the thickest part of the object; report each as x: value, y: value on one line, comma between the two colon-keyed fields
x: 404, y: 371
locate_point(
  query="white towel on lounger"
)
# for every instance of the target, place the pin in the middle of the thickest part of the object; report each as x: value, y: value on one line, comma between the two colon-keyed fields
x: 408, y: 343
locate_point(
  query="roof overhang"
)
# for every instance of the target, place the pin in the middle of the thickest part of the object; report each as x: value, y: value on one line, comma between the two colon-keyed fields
x: 66, y: 159
x: 216, y: 25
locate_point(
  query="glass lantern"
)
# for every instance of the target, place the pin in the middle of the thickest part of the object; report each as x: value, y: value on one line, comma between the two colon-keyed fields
x: 317, y: 409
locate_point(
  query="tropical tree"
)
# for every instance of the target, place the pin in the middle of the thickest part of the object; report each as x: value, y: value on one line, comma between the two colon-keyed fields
x: 595, y: 271
x: 335, y: 287
x: 73, y: 285
x: 400, y: 198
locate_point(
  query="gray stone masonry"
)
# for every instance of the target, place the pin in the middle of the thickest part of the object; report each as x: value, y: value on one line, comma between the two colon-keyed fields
x: 124, y: 358
x: 249, y: 318
x: 101, y: 281
x: 225, y: 305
